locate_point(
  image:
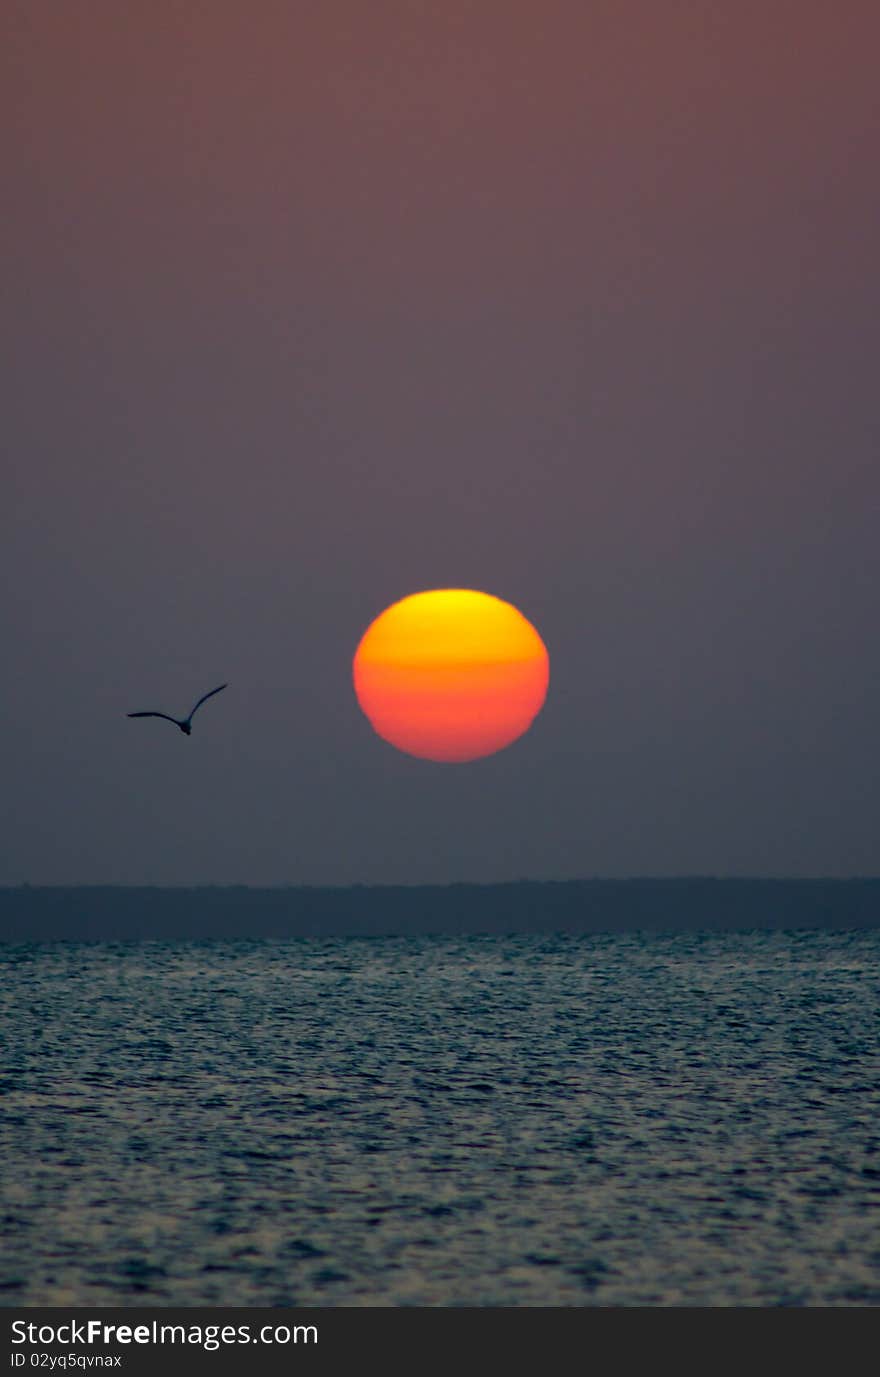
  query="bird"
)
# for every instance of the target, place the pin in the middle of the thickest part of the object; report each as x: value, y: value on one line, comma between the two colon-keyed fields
x: 185, y: 723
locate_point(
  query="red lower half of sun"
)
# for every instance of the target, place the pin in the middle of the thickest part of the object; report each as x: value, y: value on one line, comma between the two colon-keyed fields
x: 451, y: 675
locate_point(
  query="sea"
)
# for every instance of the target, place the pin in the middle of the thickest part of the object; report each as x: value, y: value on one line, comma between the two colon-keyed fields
x: 680, y: 1119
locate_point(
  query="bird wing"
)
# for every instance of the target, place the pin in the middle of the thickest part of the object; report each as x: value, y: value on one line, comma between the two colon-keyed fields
x: 155, y: 714
x: 207, y: 695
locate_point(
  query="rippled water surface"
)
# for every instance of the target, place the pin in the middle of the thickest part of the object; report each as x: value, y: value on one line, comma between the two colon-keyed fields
x: 636, y: 1119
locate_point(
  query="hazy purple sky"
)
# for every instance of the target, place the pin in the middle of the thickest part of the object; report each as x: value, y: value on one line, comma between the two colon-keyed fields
x: 309, y: 306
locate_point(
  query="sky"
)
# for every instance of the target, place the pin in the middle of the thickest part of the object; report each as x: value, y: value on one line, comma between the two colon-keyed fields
x: 312, y: 305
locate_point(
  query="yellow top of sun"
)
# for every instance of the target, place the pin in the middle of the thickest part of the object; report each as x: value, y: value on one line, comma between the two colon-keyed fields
x: 450, y: 626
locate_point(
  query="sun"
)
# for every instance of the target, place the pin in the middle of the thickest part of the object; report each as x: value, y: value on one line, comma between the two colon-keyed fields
x: 451, y: 674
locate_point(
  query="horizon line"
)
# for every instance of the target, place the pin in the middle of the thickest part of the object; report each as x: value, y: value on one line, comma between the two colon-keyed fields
x: 682, y: 877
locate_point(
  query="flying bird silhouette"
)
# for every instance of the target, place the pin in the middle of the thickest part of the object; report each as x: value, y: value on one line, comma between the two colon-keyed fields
x: 185, y: 724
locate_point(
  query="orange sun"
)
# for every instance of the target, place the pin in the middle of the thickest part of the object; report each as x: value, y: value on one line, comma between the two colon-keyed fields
x: 451, y: 675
